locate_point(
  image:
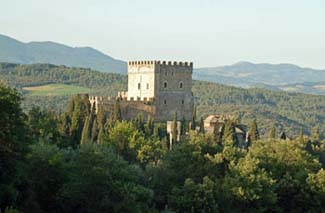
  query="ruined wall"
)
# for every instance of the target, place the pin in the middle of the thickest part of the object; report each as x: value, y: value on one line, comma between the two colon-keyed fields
x: 129, y: 109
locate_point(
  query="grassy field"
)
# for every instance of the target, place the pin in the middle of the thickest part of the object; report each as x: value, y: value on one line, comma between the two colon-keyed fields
x: 56, y: 90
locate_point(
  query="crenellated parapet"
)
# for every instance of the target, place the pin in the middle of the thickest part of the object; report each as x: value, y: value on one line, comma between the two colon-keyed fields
x: 169, y: 63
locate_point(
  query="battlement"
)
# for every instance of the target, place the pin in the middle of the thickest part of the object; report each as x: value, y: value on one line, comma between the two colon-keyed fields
x: 169, y: 63
x: 109, y: 99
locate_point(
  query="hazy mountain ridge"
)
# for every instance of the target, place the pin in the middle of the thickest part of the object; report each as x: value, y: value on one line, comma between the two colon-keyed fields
x: 246, y: 74
x: 14, y: 51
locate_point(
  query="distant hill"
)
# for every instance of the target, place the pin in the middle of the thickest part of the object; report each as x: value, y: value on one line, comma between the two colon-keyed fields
x: 14, y: 51
x: 242, y: 74
x: 246, y: 74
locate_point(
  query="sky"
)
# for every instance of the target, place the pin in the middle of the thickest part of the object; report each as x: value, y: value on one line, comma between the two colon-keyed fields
x: 207, y: 32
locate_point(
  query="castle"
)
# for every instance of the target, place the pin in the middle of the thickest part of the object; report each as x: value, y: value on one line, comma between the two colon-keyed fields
x: 155, y: 88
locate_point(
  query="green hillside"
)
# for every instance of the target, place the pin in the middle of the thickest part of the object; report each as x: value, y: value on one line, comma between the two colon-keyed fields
x: 288, y: 111
x: 14, y: 51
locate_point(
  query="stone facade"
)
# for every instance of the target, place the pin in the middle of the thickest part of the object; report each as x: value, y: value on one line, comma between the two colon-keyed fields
x: 155, y: 88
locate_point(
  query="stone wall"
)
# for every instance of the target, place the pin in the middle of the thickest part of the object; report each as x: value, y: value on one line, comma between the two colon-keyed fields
x: 129, y: 109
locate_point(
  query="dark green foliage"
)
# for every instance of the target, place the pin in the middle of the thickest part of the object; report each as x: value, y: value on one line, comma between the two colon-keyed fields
x: 174, y: 128
x: 149, y: 126
x: 202, y: 125
x: 184, y: 126
x: 45, y: 176
x: 229, y: 135
x: 79, y: 110
x: 253, y: 131
x: 100, y: 181
x: 301, y: 137
x: 131, y: 170
x: 272, y: 133
x: 283, y: 136
x: 315, y: 134
x: 193, y: 121
x: 117, y: 111
x: 13, y: 142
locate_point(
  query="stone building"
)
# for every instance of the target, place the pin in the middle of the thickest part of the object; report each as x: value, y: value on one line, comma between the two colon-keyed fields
x: 155, y: 88
x: 218, y: 121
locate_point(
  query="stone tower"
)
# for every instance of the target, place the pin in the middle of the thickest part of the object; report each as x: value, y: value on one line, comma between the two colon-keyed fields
x: 157, y: 89
x: 169, y: 84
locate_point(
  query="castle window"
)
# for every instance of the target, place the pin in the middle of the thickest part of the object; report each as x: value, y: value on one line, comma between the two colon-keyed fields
x: 165, y: 84
x: 172, y: 73
x: 139, y: 86
x: 166, y: 73
x: 183, y: 102
x: 147, y: 86
x: 181, y: 85
x: 165, y: 101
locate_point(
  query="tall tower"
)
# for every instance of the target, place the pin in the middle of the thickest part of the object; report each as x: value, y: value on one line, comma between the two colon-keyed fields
x: 169, y: 84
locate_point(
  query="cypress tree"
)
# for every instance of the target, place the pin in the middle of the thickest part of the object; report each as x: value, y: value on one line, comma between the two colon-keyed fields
x: 87, y: 128
x: 193, y: 122
x: 301, y: 136
x: 202, y: 126
x: 315, y: 134
x: 117, y: 111
x: 216, y: 134
x: 174, y: 130
x: 183, y: 126
x: 149, y: 126
x: 272, y: 133
x: 229, y: 136
x: 94, y: 130
x: 283, y: 136
x: 253, y: 132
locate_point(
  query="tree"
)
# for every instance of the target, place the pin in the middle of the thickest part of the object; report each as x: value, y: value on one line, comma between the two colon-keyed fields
x: 301, y: 137
x: 79, y: 108
x: 253, y: 132
x: 289, y: 164
x: 101, y: 181
x: 202, y: 126
x: 87, y: 129
x: 120, y: 137
x: 193, y: 122
x: 174, y: 128
x: 13, y: 144
x: 272, y: 133
x: 192, y: 197
x: 315, y: 134
x: 45, y: 176
x: 117, y: 116
x: 149, y: 126
x: 183, y: 126
x: 283, y: 136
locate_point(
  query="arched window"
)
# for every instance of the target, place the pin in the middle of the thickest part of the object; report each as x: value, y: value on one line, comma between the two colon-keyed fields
x: 139, y: 86
x: 165, y: 101
x: 183, y: 102
x: 165, y: 84
x: 181, y: 85
x: 147, y: 86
